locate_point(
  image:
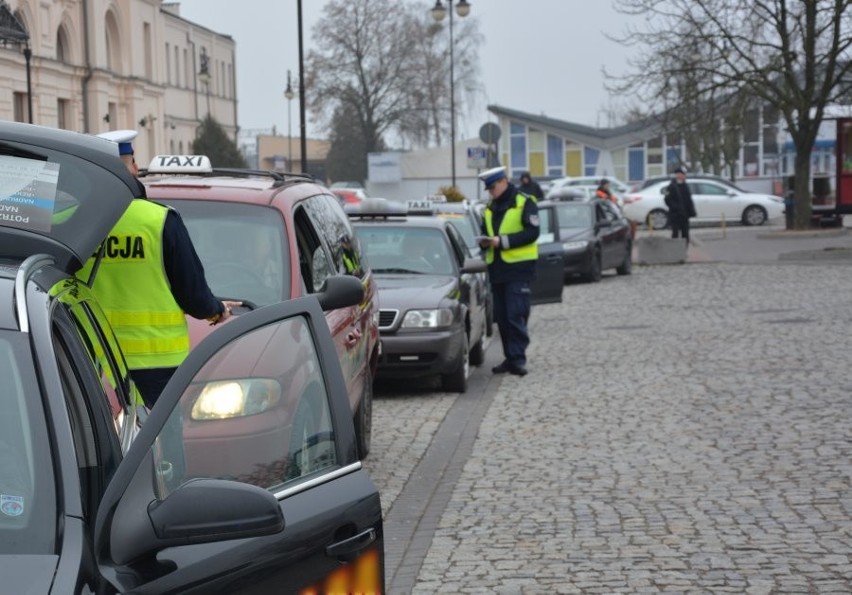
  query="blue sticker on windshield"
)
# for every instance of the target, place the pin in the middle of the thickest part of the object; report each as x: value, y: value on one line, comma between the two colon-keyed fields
x: 11, y: 505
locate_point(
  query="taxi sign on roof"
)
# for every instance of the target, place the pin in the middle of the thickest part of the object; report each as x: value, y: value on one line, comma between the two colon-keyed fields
x: 180, y: 164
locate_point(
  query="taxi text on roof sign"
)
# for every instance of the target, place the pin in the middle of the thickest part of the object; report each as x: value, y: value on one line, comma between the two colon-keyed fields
x: 180, y: 164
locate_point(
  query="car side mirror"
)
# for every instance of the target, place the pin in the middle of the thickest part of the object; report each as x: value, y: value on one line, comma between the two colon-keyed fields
x: 604, y: 223
x: 474, y: 265
x: 339, y: 291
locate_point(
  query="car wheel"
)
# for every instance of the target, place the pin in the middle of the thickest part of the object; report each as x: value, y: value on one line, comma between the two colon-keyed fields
x: 754, y: 215
x: 594, y: 274
x: 658, y: 219
x: 364, y: 417
x: 477, y: 352
x: 627, y: 265
x: 456, y: 381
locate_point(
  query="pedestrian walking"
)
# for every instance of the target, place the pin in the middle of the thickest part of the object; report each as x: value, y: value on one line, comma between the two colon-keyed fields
x: 147, y: 277
x: 681, y: 207
x: 530, y: 187
x: 510, y: 229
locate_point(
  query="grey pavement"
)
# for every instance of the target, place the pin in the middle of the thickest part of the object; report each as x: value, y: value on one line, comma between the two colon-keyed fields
x: 684, y: 429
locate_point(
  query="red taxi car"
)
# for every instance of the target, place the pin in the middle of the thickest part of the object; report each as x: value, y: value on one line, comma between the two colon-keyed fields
x: 264, y: 237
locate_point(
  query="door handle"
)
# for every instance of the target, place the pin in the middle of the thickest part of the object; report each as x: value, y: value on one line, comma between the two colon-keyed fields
x: 348, y: 549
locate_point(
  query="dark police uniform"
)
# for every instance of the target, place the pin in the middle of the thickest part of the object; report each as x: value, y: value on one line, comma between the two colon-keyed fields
x: 513, y: 217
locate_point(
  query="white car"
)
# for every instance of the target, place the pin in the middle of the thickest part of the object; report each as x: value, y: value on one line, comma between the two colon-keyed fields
x: 714, y: 202
x: 614, y: 184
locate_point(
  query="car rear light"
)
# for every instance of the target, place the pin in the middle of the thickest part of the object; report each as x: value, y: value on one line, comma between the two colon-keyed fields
x: 630, y: 198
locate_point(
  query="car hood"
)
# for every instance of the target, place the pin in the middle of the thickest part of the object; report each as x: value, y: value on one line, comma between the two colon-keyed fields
x: 61, y: 192
x: 407, y: 292
x: 27, y: 574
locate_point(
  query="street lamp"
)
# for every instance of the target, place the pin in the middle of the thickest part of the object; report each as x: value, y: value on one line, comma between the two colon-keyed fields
x: 12, y: 31
x: 438, y: 13
x: 288, y: 93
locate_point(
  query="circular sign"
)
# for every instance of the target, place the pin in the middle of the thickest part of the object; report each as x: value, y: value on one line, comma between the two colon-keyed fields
x: 489, y: 133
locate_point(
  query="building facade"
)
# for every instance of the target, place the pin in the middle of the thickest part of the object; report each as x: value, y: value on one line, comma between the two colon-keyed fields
x: 99, y: 65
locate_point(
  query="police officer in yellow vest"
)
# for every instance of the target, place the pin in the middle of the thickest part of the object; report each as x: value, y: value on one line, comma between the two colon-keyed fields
x: 148, y: 276
x: 510, y: 228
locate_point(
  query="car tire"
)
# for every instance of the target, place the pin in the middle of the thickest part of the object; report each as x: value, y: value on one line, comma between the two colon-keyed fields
x: 364, y: 417
x: 477, y: 352
x: 456, y: 381
x: 754, y: 215
x: 657, y: 219
x: 627, y: 265
x: 595, y: 271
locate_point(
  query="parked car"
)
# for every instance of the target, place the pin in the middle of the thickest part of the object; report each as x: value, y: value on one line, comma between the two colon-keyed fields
x: 97, y: 494
x: 713, y: 200
x: 468, y: 222
x: 265, y: 237
x: 615, y: 184
x: 593, y: 235
x: 347, y: 184
x: 432, y: 294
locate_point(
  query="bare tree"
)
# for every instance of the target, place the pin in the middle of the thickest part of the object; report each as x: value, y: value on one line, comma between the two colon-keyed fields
x: 387, y: 64
x: 791, y: 55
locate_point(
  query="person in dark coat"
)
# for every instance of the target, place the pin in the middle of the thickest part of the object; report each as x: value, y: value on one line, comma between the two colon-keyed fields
x: 681, y: 208
x: 530, y: 187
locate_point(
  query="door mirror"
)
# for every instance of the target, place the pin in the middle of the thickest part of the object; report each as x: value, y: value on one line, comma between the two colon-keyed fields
x: 340, y: 291
x: 604, y: 223
x: 474, y: 265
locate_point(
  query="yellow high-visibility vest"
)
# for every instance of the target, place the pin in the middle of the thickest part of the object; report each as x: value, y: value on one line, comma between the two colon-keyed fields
x: 132, y: 287
x: 512, y: 223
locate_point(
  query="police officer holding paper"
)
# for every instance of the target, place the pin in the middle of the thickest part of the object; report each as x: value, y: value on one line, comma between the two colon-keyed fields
x: 510, y: 227
x: 149, y: 275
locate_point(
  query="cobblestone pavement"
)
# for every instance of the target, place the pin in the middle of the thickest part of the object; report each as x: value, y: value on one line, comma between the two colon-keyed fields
x: 686, y: 429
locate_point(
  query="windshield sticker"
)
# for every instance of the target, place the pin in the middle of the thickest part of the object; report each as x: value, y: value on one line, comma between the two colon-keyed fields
x: 27, y: 192
x: 11, y: 505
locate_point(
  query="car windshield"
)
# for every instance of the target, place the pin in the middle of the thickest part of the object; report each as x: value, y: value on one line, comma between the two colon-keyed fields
x: 27, y: 491
x: 574, y: 216
x: 405, y: 250
x: 242, y: 248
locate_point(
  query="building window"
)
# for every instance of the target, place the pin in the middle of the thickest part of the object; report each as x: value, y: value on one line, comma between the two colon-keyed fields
x: 186, y: 69
x: 518, y: 149
x: 146, y: 36
x: 177, y: 66
x: 20, y: 107
x: 168, y: 64
x: 590, y: 158
x: 555, y: 155
x: 62, y: 106
x: 636, y: 163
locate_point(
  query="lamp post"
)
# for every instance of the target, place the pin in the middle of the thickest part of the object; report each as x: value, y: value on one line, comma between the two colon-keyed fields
x: 288, y: 93
x: 302, y: 126
x: 438, y: 13
x: 12, y: 31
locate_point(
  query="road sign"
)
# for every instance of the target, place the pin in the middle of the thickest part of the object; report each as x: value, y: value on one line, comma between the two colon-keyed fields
x: 489, y: 133
x: 477, y: 157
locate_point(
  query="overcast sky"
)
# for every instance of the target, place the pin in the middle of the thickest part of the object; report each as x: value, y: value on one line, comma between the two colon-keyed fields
x: 539, y: 56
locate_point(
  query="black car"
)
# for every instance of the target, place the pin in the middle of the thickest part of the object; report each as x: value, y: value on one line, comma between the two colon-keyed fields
x: 99, y: 495
x: 593, y: 236
x: 432, y: 293
x: 468, y: 222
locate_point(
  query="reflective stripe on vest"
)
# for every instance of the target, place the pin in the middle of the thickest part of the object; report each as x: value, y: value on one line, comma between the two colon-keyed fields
x: 149, y: 325
x: 512, y: 223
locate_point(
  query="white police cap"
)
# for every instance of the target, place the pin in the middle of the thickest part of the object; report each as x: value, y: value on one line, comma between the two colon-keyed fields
x: 124, y: 139
x: 492, y: 175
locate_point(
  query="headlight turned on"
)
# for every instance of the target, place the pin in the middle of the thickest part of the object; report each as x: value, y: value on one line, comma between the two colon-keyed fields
x: 428, y: 318
x: 227, y: 399
x: 573, y: 246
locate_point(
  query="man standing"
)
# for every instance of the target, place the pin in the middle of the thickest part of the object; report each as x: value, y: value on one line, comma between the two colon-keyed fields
x: 681, y: 208
x: 149, y: 275
x: 530, y: 187
x: 510, y: 229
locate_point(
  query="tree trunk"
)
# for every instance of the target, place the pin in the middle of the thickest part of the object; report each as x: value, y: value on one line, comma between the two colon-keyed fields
x: 802, y: 190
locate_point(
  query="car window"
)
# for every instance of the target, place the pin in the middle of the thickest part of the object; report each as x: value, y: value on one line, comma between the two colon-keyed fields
x: 334, y: 226
x: 574, y: 216
x: 457, y: 244
x: 406, y: 249
x: 465, y: 225
x: 28, y: 507
x: 314, y: 262
x: 545, y: 226
x: 707, y: 188
x: 273, y: 429
x: 243, y: 248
